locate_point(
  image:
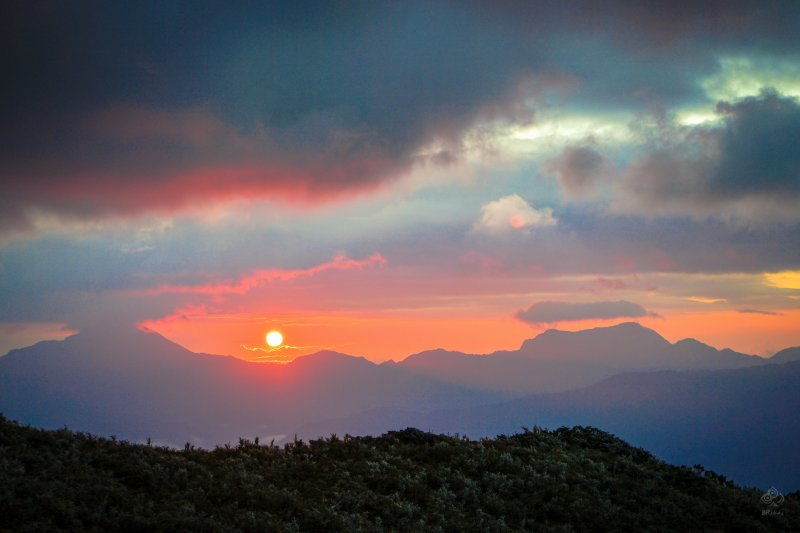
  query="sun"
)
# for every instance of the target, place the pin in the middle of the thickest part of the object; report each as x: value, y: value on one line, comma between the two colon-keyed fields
x: 274, y: 338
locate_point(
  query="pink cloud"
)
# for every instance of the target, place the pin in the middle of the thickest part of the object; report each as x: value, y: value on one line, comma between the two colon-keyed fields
x: 611, y: 283
x: 485, y: 263
x: 132, y: 160
x: 258, y: 278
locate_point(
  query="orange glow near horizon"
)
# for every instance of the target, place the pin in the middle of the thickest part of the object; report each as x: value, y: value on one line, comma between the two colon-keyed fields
x: 376, y: 338
x: 756, y: 334
x: 383, y: 338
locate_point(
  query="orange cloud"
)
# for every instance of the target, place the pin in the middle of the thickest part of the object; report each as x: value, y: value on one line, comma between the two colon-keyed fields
x: 787, y: 279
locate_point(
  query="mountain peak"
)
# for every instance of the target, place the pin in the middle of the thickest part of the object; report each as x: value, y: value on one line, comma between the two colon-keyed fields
x: 123, y: 342
x: 329, y: 357
x: 692, y: 343
x: 437, y: 356
x: 605, y: 338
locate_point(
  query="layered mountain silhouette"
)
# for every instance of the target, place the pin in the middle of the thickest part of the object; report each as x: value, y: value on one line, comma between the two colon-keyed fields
x: 135, y: 385
x: 686, y: 401
x: 784, y: 356
x: 741, y: 422
x: 561, y: 360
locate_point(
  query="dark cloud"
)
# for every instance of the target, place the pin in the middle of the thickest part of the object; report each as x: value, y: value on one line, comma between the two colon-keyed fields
x: 549, y: 312
x: 759, y: 312
x: 679, y: 244
x: 759, y: 148
x: 658, y: 22
x: 748, y: 167
x: 578, y: 168
x: 123, y: 107
x: 667, y: 22
x: 120, y: 108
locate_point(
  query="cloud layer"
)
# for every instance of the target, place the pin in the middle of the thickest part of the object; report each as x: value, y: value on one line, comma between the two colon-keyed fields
x: 746, y: 167
x: 578, y: 170
x: 175, y: 106
x: 551, y: 312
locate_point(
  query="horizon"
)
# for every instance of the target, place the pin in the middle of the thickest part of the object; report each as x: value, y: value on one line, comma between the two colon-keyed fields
x: 189, y: 341
x: 616, y: 326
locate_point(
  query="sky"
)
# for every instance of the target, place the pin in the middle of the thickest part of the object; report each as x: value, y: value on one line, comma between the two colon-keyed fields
x: 382, y: 178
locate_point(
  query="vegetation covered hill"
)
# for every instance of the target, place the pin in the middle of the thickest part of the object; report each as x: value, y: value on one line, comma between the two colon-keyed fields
x: 563, y: 480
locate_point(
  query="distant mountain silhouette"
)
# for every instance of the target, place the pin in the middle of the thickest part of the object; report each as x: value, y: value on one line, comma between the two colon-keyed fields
x: 742, y: 422
x: 134, y: 384
x: 786, y: 355
x: 562, y: 360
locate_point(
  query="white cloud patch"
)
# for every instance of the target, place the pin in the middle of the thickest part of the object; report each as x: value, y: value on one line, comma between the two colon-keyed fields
x: 512, y: 214
x: 739, y: 77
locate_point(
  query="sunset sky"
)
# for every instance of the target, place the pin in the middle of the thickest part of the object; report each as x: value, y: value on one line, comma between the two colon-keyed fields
x: 381, y: 178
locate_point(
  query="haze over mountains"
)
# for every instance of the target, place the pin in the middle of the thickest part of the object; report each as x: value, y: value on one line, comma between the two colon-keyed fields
x: 135, y: 385
x: 741, y: 422
x: 686, y: 401
x: 560, y: 360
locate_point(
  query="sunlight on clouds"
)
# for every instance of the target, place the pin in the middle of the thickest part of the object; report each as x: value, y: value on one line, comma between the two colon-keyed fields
x: 550, y: 132
x: 571, y: 128
x: 45, y: 222
x: 704, y: 300
x: 260, y: 277
x: 511, y: 213
x: 739, y: 77
x: 695, y: 117
x: 787, y: 279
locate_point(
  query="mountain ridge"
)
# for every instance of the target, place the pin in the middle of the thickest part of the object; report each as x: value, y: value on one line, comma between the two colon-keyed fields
x: 786, y: 355
x: 561, y: 360
x: 137, y: 384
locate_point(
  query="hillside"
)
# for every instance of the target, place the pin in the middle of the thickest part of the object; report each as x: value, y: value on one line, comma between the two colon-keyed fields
x: 742, y: 422
x: 580, y: 478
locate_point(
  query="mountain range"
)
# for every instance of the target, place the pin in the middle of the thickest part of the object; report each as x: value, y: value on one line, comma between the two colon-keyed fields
x: 134, y: 385
x: 687, y: 402
x: 561, y: 360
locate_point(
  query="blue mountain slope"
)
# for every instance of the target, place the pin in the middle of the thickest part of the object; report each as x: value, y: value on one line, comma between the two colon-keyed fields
x: 740, y: 422
x: 562, y: 360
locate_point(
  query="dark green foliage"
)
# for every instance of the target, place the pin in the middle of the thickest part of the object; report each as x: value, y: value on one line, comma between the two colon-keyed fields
x: 578, y: 479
